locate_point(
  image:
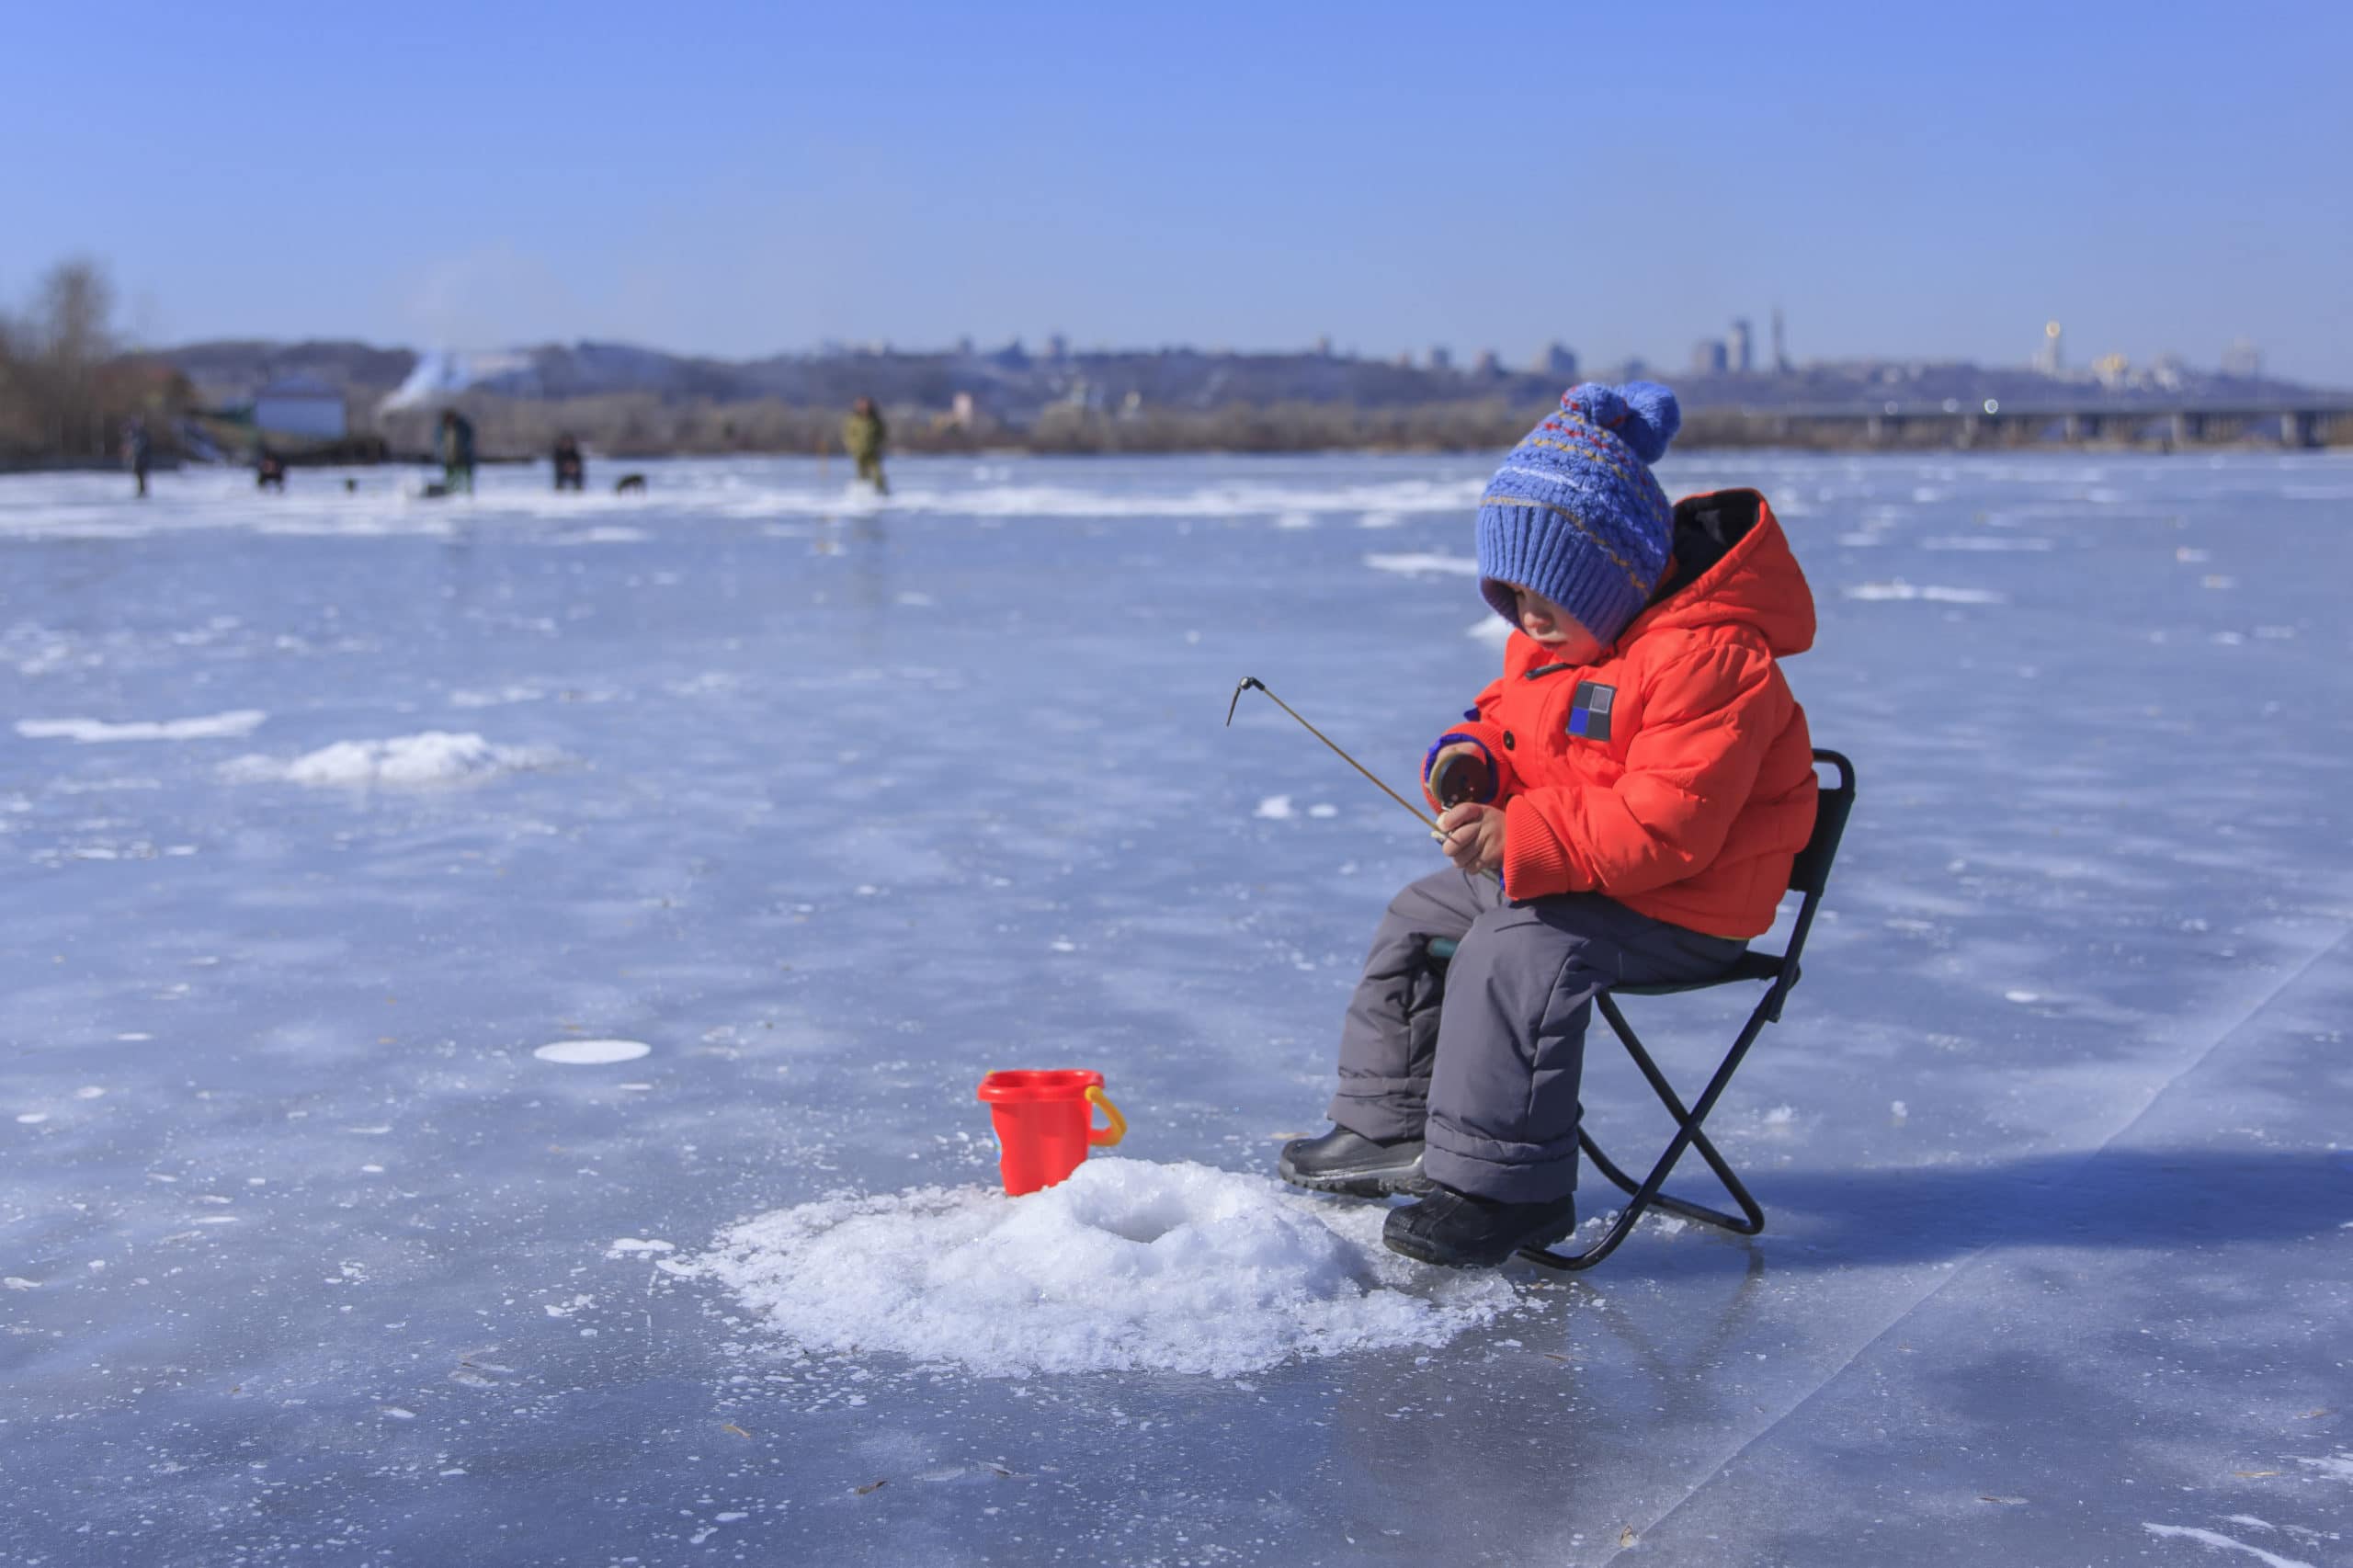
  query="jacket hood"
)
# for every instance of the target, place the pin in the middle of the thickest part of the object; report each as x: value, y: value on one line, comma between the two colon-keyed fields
x: 1733, y: 565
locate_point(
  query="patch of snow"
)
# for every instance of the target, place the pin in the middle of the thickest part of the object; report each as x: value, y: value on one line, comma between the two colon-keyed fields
x: 433, y: 757
x: 604, y: 533
x: 1420, y: 563
x: 592, y: 1052
x: 2222, y: 1542
x: 231, y: 725
x: 1900, y: 589
x: 633, y: 1247
x: 471, y: 697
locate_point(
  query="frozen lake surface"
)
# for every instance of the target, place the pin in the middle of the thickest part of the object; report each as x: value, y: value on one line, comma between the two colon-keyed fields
x: 431, y: 928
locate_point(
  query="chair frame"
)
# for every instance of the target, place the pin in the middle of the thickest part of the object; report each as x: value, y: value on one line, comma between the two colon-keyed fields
x: 1808, y: 876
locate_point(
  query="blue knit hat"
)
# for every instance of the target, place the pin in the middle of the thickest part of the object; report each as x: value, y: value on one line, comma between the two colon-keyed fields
x: 1575, y: 515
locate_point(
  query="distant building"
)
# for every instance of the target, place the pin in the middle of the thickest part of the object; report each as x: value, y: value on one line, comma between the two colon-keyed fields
x: 964, y: 347
x: 2243, y: 360
x: 301, y: 405
x: 960, y: 410
x: 1487, y: 364
x: 1780, y: 346
x: 1405, y: 358
x: 1057, y: 348
x: 2113, y: 371
x: 2053, y: 357
x: 1708, y: 356
x: 1558, y: 361
x: 1742, y: 357
x: 1324, y: 347
x: 2168, y: 371
x: 1440, y: 359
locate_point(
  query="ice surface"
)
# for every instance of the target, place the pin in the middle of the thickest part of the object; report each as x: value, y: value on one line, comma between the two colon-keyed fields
x: 856, y: 803
x: 1128, y: 1265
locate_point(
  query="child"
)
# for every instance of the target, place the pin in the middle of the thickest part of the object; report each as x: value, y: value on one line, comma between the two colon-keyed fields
x: 1640, y: 778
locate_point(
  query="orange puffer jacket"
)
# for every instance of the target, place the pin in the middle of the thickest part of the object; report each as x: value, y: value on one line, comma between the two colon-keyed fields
x: 1674, y: 774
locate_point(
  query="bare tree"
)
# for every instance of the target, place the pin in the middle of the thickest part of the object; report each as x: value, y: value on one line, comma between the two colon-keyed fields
x: 73, y: 329
x: 73, y: 313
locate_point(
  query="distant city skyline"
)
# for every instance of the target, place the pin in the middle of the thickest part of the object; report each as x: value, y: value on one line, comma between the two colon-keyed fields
x: 759, y: 182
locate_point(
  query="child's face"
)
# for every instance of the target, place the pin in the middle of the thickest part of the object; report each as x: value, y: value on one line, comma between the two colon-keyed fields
x: 1556, y: 628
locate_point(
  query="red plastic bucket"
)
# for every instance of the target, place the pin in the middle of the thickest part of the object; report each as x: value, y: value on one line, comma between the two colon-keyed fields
x: 1045, y: 1123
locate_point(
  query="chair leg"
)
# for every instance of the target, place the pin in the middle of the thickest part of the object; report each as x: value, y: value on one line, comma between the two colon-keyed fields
x: 1647, y: 1194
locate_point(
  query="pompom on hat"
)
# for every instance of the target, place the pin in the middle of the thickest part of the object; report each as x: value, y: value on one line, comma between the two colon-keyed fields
x: 1574, y: 513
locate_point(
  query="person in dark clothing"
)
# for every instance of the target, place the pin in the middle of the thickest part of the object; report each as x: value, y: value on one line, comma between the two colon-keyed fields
x: 135, y: 452
x: 270, y: 472
x: 457, y: 452
x: 571, y: 469
x: 863, y: 434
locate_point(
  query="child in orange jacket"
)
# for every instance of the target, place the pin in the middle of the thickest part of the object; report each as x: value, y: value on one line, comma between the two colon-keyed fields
x: 1622, y: 807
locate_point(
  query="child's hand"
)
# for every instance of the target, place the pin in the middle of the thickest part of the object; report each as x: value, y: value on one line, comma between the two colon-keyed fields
x: 1472, y: 836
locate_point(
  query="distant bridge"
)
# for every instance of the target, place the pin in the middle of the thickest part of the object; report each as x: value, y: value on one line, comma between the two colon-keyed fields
x: 2312, y: 421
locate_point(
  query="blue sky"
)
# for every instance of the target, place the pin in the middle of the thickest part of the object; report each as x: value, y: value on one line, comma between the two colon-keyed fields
x: 737, y: 180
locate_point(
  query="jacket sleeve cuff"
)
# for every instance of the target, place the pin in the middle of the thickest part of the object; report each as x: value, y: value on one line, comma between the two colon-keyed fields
x: 1489, y: 739
x: 1536, y: 863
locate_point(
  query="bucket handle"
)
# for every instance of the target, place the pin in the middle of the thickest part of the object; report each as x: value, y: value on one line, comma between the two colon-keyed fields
x: 1104, y: 1137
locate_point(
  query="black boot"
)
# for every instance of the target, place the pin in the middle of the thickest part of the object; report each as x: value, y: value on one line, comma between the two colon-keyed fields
x: 1458, y: 1231
x: 1346, y: 1162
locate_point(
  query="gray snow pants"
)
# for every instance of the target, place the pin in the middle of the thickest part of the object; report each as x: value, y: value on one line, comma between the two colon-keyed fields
x: 1484, y: 1062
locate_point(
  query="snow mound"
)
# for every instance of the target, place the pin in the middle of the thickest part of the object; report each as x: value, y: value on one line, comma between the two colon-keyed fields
x: 1129, y: 1266
x: 437, y: 757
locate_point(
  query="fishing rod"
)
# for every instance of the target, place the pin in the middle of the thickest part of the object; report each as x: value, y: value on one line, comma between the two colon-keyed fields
x: 1252, y: 683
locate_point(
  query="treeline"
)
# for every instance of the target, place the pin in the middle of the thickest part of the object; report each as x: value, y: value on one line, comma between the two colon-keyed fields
x: 647, y: 424
x: 67, y: 387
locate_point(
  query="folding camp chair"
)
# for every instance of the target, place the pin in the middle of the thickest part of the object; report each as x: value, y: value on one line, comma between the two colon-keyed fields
x: 1807, y: 876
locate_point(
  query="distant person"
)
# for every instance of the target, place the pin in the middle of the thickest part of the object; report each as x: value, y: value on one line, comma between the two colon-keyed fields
x: 135, y: 452
x: 1641, y: 780
x: 863, y: 433
x: 457, y: 452
x: 571, y: 469
x: 270, y: 472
